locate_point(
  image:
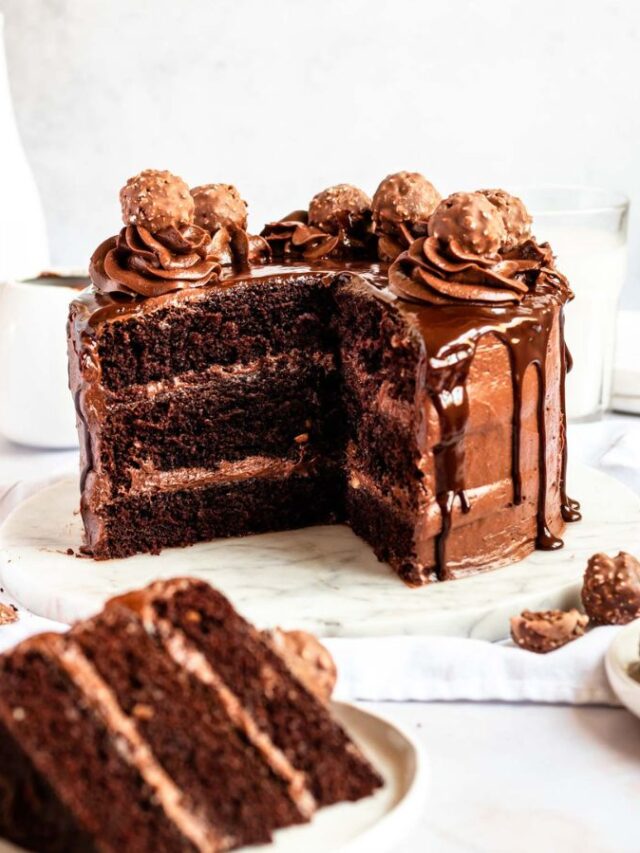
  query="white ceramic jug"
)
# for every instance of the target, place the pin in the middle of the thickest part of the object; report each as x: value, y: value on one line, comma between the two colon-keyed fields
x: 36, y: 407
x: 24, y: 250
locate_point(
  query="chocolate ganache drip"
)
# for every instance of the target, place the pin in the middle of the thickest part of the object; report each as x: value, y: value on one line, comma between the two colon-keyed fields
x: 173, y: 238
x: 479, y: 253
x: 337, y: 225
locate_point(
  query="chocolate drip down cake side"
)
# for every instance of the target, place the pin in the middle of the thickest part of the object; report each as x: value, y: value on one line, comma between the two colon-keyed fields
x: 395, y: 363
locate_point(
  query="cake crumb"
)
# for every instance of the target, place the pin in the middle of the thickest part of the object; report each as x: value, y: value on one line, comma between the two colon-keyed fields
x: 142, y: 711
x: 8, y: 614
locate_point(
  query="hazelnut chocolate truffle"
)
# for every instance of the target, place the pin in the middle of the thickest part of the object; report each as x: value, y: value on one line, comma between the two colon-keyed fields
x: 338, y: 207
x: 547, y: 630
x: 515, y: 217
x: 469, y: 224
x: 611, y: 589
x: 308, y: 659
x: 156, y: 200
x: 406, y: 197
x: 219, y: 206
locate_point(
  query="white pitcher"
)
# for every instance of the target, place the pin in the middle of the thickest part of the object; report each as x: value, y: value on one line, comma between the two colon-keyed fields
x: 24, y: 250
x: 36, y: 407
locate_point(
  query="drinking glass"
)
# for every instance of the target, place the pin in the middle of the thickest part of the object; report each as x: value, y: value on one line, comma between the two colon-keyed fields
x: 587, y: 230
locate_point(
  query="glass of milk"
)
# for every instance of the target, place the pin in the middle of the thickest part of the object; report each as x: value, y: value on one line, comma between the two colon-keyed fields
x: 587, y: 230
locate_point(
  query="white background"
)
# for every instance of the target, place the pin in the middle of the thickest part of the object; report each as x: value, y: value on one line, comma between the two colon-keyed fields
x: 284, y: 97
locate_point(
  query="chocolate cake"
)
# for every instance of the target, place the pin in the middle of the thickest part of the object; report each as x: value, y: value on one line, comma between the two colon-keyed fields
x: 165, y: 723
x: 397, y: 364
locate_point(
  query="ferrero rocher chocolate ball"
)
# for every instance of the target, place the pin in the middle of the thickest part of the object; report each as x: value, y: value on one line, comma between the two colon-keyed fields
x: 470, y: 223
x: 308, y: 659
x: 219, y: 206
x: 547, y: 630
x: 404, y: 197
x: 156, y: 200
x: 515, y: 216
x: 611, y: 589
x: 338, y: 208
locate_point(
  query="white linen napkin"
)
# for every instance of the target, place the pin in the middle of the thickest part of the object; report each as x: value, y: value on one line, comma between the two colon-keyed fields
x: 451, y: 669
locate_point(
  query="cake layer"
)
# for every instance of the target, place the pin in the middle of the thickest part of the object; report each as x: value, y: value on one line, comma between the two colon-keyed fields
x: 210, y: 506
x: 222, y: 775
x: 278, y: 407
x: 204, y: 632
x: 191, y: 330
x: 64, y: 780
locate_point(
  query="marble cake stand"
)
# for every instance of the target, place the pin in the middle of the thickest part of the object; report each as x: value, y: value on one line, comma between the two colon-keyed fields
x: 322, y: 579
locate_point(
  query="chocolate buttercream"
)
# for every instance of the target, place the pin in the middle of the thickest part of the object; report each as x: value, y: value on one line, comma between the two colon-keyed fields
x: 337, y: 224
x: 139, y: 263
x: 465, y: 259
x: 401, y: 208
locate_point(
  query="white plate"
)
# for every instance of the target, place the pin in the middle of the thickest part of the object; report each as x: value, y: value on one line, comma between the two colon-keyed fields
x: 373, y: 825
x: 625, y: 650
x: 320, y: 579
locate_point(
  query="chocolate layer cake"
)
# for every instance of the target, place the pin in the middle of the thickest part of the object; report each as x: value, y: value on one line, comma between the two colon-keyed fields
x: 397, y: 364
x: 165, y: 723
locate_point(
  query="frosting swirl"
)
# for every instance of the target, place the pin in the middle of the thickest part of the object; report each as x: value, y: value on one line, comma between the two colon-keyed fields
x: 139, y: 263
x: 337, y: 224
x: 293, y: 235
x: 464, y: 258
x: 174, y: 238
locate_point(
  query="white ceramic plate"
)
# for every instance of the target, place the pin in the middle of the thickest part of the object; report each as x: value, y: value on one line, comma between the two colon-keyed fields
x: 373, y: 825
x: 623, y: 651
x: 324, y: 580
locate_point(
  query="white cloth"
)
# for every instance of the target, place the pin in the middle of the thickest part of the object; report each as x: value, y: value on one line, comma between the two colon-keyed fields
x: 451, y: 668
x: 419, y: 668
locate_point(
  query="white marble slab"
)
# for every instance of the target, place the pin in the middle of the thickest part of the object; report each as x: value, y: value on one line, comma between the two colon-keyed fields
x: 322, y: 579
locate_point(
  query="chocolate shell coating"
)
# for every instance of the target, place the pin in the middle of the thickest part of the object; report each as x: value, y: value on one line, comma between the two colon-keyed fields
x: 469, y: 223
x: 338, y: 207
x: 611, y: 589
x: 219, y: 206
x: 547, y: 630
x: 156, y: 200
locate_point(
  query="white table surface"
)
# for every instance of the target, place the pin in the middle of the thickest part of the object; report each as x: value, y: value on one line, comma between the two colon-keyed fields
x: 505, y: 778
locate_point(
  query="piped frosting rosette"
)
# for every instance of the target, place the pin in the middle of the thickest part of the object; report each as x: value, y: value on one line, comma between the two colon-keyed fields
x: 174, y: 238
x: 337, y: 224
x: 472, y: 254
x: 139, y: 263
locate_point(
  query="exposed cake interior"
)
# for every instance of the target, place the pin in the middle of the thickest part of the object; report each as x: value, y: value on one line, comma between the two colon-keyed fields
x: 166, y: 722
x: 218, y: 416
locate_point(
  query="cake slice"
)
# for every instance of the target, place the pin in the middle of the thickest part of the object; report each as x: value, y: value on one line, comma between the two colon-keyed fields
x: 166, y: 722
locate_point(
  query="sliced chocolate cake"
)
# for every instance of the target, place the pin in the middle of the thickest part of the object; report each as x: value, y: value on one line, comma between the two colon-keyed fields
x: 165, y: 723
x: 397, y: 364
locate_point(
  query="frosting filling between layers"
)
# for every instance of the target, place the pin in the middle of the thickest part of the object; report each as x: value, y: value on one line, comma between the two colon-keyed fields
x: 146, y: 479
x: 187, y: 656
x: 136, y: 752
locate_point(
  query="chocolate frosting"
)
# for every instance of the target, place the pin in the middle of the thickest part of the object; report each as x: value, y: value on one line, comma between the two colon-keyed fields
x: 139, y: 263
x: 174, y: 238
x: 337, y: 225
x: 465, y: 257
